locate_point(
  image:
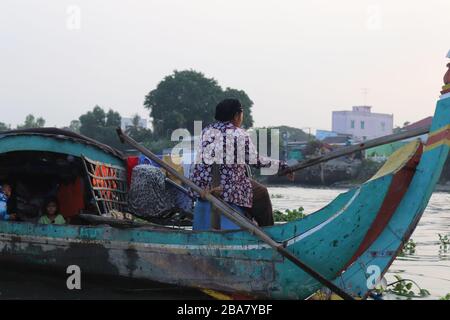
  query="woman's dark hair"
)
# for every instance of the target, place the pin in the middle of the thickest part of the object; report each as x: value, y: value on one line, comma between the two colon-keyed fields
x: 227, y: 109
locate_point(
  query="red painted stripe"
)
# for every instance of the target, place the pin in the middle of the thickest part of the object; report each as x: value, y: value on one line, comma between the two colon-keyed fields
x: 445, y: 134
x: 397, y: 189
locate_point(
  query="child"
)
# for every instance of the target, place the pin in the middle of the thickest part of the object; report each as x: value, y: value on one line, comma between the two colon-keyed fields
x: 5, y: 194
x: 51, y: 215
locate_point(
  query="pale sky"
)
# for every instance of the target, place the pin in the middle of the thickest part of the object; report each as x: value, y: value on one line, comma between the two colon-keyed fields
x: 297, y: 60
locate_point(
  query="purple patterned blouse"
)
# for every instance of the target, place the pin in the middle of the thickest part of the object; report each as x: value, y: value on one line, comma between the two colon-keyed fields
x: 232, y: 148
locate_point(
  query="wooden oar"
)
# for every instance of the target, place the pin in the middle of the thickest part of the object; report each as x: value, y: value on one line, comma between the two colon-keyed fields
x: 355, y: 148
x: 237, y: 218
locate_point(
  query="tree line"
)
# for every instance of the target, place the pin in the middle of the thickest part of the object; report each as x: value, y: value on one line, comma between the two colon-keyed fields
x: 178, y: 100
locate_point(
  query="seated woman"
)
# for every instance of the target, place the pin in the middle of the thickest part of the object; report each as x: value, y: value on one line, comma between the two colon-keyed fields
x: 51, y: 215
x: 227, y: 149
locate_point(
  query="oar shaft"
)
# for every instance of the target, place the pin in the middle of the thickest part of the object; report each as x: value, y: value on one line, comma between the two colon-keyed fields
x: 237, y: 218
x: 355, y: 148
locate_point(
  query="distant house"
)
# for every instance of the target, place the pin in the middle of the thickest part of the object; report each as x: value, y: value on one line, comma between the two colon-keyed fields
x: 322, y: 134
x: 362, y: 123
x: 419, y: 124
x: 295, y: 150
x: 128, y: 122
x: 341, y: 140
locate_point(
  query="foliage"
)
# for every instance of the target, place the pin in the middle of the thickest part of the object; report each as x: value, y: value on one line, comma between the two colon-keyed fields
x: 446, y: 297
x: 101, y: 126
x: 403, y: 287
x: 409, y: 248
x: 288, y: 215
x: 137, y: 132
x: 157, y: 146
x: 32, y: 122
x: 444, y: 242
x: 293, y: 134
x: 187, y: 96
x: 4, y: 127
x: 75, y: 126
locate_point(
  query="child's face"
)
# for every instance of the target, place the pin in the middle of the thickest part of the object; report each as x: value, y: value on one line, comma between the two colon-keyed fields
x: 7, y: 190
x: 51, y: 209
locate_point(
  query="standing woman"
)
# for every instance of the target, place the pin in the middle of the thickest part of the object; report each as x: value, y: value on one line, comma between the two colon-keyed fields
x: 225, y: 144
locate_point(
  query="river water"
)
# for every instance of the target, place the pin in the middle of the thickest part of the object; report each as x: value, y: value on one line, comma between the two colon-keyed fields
x: 428, y: 266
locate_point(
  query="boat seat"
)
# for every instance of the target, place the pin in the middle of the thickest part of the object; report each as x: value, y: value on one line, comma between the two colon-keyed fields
x: 202, y: 217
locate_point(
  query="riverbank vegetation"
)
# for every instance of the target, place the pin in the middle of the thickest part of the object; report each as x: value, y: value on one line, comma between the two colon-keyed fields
x: 288, y: 215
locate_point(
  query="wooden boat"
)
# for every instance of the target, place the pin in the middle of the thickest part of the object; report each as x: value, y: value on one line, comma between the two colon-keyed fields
x: 357, y: 234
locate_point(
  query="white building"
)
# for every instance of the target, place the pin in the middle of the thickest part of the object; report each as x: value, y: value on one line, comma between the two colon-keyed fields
x: 128, y: 122
x: 362, y: 124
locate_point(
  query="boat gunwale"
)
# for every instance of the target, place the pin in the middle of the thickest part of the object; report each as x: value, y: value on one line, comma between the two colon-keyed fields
x: 64, y: 135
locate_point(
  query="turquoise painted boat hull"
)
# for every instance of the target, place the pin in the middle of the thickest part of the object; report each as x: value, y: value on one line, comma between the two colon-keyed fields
x: 380, y: 255
x: 363, y: 227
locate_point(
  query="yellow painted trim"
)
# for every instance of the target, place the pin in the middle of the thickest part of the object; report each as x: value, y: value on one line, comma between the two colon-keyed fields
x: 440, y: 142
x: 216, y: 295
x: 445, y: 141
x: 398, y: 159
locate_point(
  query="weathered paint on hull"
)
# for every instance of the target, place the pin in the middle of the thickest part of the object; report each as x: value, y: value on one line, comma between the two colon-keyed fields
x: 385, y: 248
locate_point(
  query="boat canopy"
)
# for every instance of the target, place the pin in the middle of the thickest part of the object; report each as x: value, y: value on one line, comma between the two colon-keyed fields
x: 49, y: 163
x: 58, y: 141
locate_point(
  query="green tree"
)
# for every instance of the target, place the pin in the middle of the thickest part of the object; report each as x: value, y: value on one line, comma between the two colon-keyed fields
x: 113, y: 119
x: 101, y: 126
x: 32, y: 122
x: 75, y: 126
x: 293, y: 134
x: 186, y: 96
x: 4, y: 127
x: 137, y: 132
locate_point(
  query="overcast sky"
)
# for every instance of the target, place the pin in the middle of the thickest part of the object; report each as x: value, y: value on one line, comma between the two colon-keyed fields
x: 297, y: 60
